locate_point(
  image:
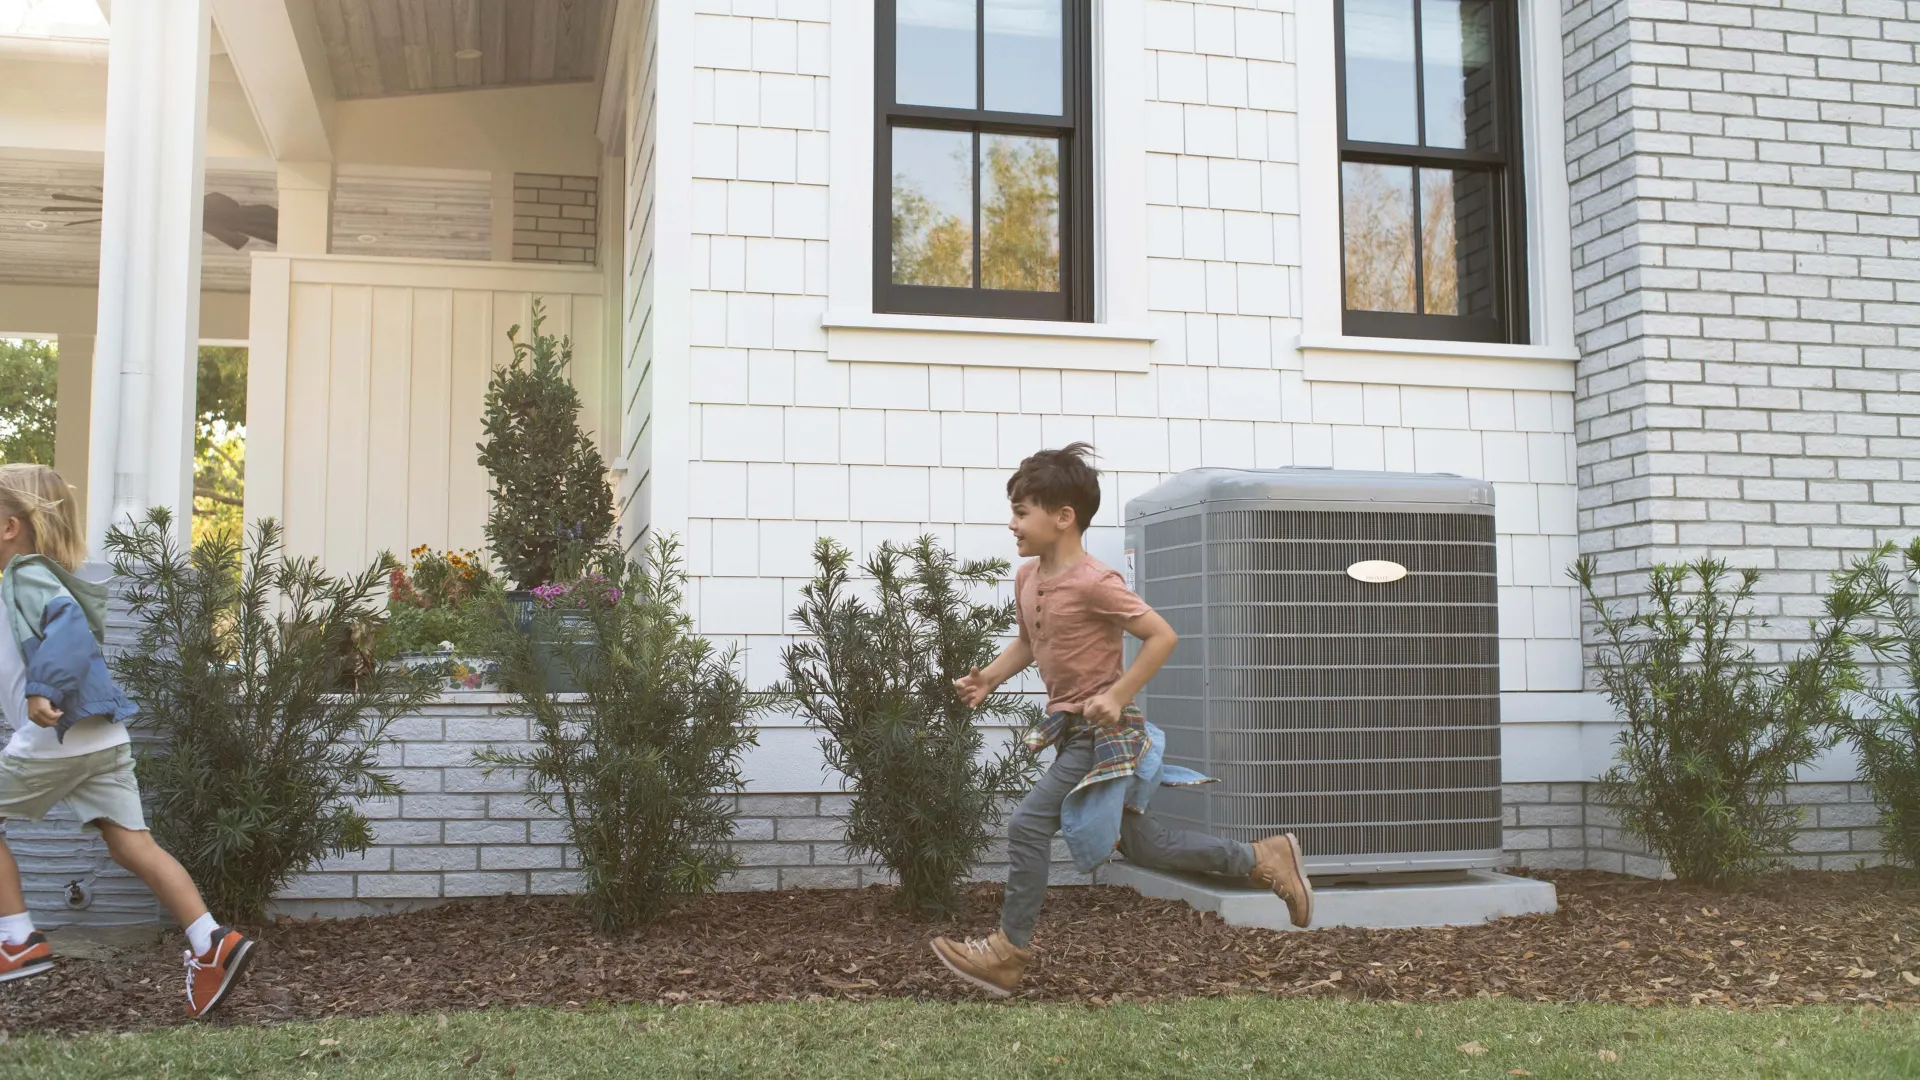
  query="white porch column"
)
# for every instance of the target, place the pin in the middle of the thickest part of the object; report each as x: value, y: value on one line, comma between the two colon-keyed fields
x: 306, y: 207
x: 72, y: 436
x: 148, y: 331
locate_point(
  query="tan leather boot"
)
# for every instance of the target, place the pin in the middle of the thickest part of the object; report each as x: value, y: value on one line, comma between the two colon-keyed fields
x: 991, y: 963
x: 1277, y: 865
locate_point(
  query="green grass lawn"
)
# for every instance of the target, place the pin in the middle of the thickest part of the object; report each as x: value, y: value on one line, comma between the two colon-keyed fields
x: 1203, y: 1038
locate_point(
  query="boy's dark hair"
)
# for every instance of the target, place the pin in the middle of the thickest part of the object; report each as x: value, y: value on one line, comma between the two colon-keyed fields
x: 1057, y: 478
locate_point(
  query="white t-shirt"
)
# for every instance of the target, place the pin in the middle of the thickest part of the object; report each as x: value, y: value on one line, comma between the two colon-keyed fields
x: 30, y: 740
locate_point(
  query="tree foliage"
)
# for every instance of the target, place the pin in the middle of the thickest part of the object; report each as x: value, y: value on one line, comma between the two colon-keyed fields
x: 551, y: 501
x: 1019, y: 222
x: 876, y: 677
x: 29, y: 383
x: 219, y: 440
x: 269, y: 736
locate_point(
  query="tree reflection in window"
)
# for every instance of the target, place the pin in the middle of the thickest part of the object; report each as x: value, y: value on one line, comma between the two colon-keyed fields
x: 1431, y: 212
x: 986, y: 210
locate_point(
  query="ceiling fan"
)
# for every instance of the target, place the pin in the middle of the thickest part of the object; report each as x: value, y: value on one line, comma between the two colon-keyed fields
x: 224, y: 218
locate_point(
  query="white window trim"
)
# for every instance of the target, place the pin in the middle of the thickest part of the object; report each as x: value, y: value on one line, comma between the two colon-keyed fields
x: 1329, y: 354
x: 1120, y: 336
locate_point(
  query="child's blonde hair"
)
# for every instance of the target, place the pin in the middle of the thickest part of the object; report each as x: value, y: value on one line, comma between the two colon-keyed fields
x: 38, y: 497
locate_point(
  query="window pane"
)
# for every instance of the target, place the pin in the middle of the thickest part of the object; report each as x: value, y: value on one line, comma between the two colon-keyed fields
x: 933, y: 53
x: 1381, y: 103
x: 1020, y: 213
x: 1024, y: 55
x: 932, y: 207
x: 1456, y: 39
x: 1456, y: 242
x: 1376, y: 214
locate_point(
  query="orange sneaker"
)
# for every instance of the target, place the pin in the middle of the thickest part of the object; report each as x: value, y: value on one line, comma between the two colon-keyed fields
x: 1277, y: 865
x: 992, y: 963
x: 32, y: 957
x: 211, y: 974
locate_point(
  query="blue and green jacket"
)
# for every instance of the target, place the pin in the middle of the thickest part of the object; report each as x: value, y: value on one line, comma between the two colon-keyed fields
x: 60, y: 621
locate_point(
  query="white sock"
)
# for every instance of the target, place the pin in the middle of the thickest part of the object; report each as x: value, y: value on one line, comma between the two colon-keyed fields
x: 15, y: 929
x: 200, y: 934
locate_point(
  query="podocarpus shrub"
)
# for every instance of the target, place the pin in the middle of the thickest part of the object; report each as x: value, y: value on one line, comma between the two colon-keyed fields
x: 876, y: 676
x: 1711, y: 735
x: 1885, y: 726
x: 551, y: 501
x: 266, y: 746
x: 640, y: 763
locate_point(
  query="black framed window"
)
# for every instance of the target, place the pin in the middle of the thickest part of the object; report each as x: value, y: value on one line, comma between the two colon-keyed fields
x: 983, y: 162
x: 1433, y: 229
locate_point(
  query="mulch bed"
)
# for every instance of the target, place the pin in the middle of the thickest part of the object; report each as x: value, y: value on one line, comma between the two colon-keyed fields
x: 1791, y: 938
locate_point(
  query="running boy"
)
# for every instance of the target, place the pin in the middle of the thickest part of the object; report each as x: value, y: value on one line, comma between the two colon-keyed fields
x: 1107, y: 758
x: 69, y: 733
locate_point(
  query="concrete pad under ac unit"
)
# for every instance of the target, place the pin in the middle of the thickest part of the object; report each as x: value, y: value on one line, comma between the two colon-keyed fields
x: 1469, y: 899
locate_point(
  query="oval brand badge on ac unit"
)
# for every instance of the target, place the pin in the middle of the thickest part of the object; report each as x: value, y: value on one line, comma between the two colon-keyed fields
x: 1376, y: 571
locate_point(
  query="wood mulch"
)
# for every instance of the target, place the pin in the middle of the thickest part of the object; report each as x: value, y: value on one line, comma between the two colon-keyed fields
x: 1790, y: 938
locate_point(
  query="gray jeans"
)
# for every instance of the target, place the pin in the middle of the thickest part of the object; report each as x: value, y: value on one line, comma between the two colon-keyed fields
x: 1144, y: 841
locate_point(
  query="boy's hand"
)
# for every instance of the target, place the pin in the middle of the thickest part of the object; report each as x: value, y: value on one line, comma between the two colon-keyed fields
x: 42, y: 712
x: 972, y: 688
x: 1103, y: 711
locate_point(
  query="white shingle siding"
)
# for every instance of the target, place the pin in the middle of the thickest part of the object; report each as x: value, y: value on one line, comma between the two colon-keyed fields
x: 788, y: 446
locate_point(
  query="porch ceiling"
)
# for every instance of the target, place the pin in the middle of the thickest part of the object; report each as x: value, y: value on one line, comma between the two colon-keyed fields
x: 429, y: 217
x: 381, y: 48
x: 42, y: 247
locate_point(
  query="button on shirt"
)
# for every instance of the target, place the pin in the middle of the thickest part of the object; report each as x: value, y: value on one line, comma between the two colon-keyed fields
x: 1074, y: 623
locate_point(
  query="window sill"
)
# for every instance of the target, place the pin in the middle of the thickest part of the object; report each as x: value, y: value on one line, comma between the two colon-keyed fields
x: 961, y: 342
x: 1474, y: 365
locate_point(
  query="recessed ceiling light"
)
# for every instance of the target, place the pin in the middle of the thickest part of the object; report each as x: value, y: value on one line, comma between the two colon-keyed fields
x: 467, y: 54
x: 367, y: 238
x: 36, y: 224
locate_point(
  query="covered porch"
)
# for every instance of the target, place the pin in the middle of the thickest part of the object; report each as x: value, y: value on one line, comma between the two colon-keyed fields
x: 363, y: 196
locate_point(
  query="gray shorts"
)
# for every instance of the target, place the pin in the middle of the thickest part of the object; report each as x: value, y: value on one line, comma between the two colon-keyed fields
x: 97, y: 785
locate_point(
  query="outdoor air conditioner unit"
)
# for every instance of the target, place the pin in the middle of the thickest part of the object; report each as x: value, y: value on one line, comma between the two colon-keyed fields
x: 1339, y: 661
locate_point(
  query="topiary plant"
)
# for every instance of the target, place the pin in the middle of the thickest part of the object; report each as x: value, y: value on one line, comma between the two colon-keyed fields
x: 551, y: 500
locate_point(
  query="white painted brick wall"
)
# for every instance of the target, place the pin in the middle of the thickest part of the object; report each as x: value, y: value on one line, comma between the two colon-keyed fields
x: 1747, y: 233
x: 866, y: 452
x: 455, y: 832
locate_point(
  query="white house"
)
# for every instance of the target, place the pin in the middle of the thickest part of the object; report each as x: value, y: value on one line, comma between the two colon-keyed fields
x: 833, y: 267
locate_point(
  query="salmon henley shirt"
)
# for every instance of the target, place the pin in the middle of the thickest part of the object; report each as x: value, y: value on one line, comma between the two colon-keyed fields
x: 1074, y: 624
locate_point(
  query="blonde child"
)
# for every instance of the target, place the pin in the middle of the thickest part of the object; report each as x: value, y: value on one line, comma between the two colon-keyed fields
x: 70, y: 738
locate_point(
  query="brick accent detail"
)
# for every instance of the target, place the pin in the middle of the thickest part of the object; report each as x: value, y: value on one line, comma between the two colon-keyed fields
x: 1564, y: 827
x: 453, y: 832
x: 554, y: 218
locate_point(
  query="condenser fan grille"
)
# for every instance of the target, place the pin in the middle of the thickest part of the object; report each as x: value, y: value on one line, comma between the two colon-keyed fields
x: 1362, y: 716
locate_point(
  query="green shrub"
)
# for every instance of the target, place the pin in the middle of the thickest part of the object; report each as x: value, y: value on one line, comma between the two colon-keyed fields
x: 1712, y: 736
x: 638, y: 764
x: 1885, y: 729
x: 430, y: 601
x: 245, y: 666
x: 877, y: 678
x: 552, y: 503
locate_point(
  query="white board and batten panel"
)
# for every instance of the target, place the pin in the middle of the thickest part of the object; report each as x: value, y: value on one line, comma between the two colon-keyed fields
x: 368, y: 377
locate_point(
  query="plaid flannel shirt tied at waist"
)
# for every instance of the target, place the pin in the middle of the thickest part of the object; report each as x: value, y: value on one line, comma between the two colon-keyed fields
x: 1116, y: 749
